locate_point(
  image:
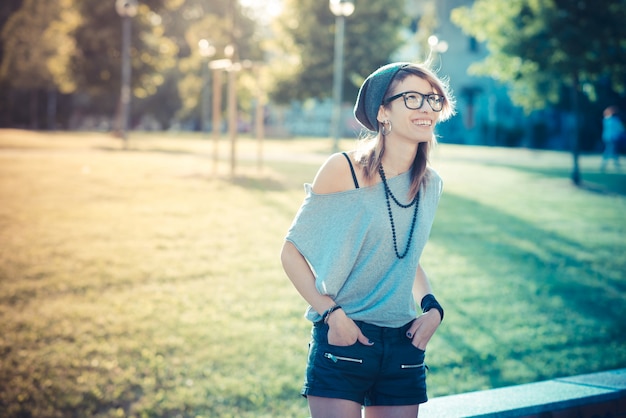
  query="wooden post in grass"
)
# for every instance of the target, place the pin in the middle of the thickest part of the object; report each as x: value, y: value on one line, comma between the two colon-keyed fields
x: 217, y: 114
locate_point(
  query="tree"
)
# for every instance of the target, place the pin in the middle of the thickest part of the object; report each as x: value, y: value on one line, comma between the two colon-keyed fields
x: 7, y: 8
x: 32, y: 38
x: 541, y: 47
x: 305, y: 35
x: 71, y: 46
x: 96, y: 66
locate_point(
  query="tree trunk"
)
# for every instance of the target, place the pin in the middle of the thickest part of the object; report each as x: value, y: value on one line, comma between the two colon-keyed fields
x: 52, y: 109
x: 34, y: 109
x: 576, y: 134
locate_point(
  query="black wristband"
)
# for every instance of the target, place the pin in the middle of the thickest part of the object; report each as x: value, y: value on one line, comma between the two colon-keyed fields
x: 327, y: 313
x: 429, y: 302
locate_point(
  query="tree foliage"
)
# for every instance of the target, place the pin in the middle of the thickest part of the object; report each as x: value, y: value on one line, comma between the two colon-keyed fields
x: 36, y: 44
x: 305, y: 35
x: 96, y: 64
x: 540, y: 46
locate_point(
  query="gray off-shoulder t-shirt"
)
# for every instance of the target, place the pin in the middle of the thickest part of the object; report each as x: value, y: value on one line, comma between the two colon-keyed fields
x: 346, y: 238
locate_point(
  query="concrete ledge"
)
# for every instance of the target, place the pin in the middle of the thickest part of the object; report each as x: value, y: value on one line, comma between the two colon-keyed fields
x: 591, y: 395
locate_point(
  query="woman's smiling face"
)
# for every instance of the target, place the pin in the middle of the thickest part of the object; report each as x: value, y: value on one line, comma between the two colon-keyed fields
x: 413, y: 124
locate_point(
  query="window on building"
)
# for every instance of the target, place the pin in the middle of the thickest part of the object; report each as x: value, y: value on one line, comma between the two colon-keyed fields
x: 470, y: 94
x: 472, y: 44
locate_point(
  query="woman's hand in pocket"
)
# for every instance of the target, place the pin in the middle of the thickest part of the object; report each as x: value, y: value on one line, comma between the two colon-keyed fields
x: 343, y: 332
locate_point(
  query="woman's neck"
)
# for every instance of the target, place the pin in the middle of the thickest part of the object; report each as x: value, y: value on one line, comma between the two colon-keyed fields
x: 398, y: 158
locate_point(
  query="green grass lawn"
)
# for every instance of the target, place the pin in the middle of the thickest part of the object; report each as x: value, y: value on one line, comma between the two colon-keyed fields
x: 146, y: 282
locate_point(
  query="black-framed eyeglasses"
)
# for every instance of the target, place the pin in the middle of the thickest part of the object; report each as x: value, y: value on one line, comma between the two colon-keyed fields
x: 414, y: 100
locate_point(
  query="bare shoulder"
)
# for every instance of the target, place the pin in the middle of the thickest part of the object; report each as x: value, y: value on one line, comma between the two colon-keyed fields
x: 334, y: 176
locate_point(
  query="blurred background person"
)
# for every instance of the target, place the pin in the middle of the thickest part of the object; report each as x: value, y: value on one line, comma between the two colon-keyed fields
x: 612, y: 133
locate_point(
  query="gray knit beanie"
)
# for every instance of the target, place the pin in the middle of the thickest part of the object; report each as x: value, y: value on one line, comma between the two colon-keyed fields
x: 372, y: 93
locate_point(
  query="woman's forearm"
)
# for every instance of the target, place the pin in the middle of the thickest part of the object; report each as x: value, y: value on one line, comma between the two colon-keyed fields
x: 300, y: 274
x: 421, y: 285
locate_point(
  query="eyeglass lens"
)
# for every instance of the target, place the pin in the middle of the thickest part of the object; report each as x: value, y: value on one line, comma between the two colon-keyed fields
x: 414, y: 100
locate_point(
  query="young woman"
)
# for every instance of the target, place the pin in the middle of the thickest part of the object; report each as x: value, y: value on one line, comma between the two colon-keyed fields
x: 353, y: 253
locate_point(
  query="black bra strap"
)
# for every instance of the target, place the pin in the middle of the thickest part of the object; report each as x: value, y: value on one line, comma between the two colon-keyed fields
x: 356, y: 182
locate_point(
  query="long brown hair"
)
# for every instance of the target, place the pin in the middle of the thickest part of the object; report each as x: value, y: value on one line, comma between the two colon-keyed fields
x: 371, y: 150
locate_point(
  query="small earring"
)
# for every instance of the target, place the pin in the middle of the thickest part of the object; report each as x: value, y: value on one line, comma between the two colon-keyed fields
x: 386, y: 130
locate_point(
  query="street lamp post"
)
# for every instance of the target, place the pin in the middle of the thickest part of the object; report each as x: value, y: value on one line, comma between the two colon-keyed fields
x: 206, y: 52
x: 341, y: 9
x: 127, y: 9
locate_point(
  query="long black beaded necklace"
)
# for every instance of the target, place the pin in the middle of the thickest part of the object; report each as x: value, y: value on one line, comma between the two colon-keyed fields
x: 414, y: 202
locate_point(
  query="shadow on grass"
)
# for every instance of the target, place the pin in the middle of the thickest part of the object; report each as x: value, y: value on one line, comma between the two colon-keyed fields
x: 250, y: 182
x: 532, y: 296
x: 605, y: 183
x: 167, y: 151
x: 248, y: 176
x: 258, y: 183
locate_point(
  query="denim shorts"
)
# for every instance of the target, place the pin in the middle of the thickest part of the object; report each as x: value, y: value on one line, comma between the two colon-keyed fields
x: 389, y: 372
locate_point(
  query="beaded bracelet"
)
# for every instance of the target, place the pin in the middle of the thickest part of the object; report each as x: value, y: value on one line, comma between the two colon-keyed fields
x: 429, y: 302
x: 327, y: 313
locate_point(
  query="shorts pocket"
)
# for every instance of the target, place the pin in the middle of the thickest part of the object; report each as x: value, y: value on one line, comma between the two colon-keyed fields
x: 410, y: 357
